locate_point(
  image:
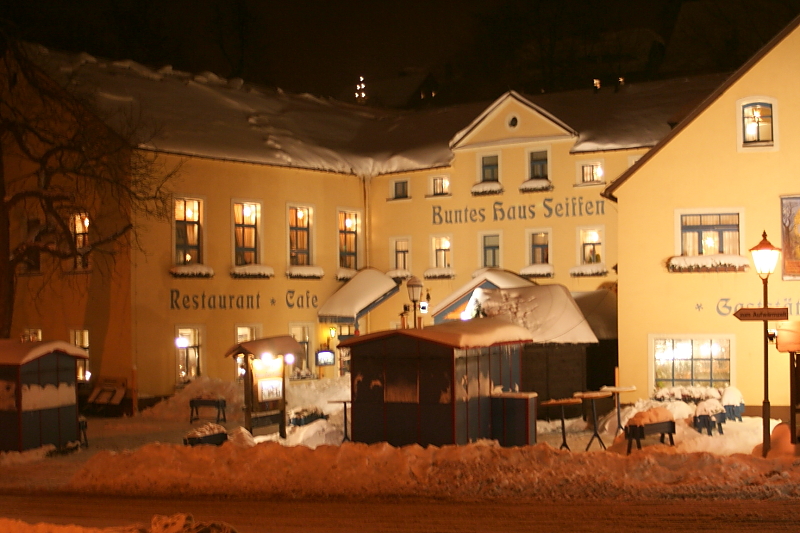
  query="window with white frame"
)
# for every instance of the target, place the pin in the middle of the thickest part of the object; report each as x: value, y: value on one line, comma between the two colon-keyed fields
x: 537, y: 165
x: 243, y: 334
x: 79, y: 227
x: 709, y: 233
x: 757, y: 124
x: 80, y: 338
x: 187, y: 354
x: 591, y: 245
x: 188, y: 227
x: 401, y: 250
x: 691, y: 361
x: 300, y: 236
x: 348, y: 239
x: 246, y: 219
x: 400, y: 189
x: 539, y: 247
x: 590, y: 172
x: 490, y: 168
x: 442, y: 251
x: 440, y: 185
x: 490, y: 250
x: 302, y: 363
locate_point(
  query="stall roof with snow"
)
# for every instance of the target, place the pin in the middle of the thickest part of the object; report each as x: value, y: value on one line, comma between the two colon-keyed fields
x: 452, y: 306
x: 359, y: 295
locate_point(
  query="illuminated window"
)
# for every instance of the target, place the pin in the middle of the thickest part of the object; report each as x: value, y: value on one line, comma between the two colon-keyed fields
x: 491, y: 251
x: 80, y: 338
x: 243, y: 334
x: 299, y: 236
x: 441, y: 185
x: 79, y: 227
x: 540, y: 248
x: 441, y: 252
x: 401, y: 254
x: 708, y: 234
x: 187, y: 232
x: 591, y: 246
x: 757, y: 123
x: 245, y: 220
x: 301, y: 364
x: 538, y: 165
x: 348, y: 239
x: 187, y: 348
x: 692, y: 362
x: 592, y: 172
x: 31, y: 335
x: 490, y: 168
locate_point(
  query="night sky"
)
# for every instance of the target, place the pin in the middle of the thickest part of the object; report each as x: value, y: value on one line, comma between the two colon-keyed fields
x: 480, y: 47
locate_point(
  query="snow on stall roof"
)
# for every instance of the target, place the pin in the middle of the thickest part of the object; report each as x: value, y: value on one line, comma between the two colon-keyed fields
x: 15, y: 352
x: 478, y: 332
x: 502, y: 279
x: 600, y: 309
x: 547, y: 311
x: 364, y: 289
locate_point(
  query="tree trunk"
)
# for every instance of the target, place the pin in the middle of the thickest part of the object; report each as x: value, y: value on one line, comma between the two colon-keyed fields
x: 6, y: 269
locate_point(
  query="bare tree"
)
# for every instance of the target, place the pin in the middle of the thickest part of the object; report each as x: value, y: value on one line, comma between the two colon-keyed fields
x: 70, y: 187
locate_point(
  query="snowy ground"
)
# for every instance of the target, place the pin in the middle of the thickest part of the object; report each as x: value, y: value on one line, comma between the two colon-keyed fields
x: 145, y: 455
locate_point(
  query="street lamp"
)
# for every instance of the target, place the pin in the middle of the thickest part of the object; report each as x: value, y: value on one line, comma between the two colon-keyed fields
x: 765, y: 258
x: 414, y: 286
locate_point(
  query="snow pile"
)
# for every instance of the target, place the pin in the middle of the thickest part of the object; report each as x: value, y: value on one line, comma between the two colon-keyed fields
x: 651, y: 416
x: 176, y: 406
x: 177, y: 523
x: 709, y: 407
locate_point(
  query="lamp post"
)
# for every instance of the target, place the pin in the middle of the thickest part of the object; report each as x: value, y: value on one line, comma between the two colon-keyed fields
x: 414, y: 286
x: 765, y: 258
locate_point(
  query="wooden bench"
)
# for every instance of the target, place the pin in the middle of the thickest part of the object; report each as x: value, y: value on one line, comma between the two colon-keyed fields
x: 707, y: 422
x: 196, y: 403
x: 637, y: 433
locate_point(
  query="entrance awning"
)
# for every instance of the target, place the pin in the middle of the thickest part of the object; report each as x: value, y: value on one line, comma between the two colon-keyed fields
x: 365, y: 291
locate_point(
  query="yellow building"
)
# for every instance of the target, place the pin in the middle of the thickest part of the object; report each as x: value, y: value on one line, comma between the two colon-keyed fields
x: 281, y: 199
x: 689, y: 211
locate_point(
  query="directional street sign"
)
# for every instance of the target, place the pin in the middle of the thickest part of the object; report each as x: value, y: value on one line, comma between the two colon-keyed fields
x: 762, y: 313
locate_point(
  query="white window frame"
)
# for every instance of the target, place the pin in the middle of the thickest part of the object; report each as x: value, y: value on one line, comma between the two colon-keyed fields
x: 201, y: 335
x: 311, y: 328
x: 312, y: 233
x: 202, y: 227
x: 259, y: 231
x: 677, y: 228
x: 601, y: 231
x: 80, y: 263
x: 432, y: 241
x: 529, y: 232
x: 432, y: 188
x: 579, y: 172
x: 359, y: 236
x: 479, y: 176
x: 651, y: 352
x: 392, y: 189
x: 481, y: 235
x: 255, y: 331
x: 743, y: 147
x: 80, y: 338
x: 528, y: 153
x: 393, y: 252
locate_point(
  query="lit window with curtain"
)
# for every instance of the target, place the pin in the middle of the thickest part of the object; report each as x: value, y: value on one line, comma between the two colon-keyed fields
x: 187, y: 345
x: 441, y: 186
x: 80, y: 338
x: 441, y: 252
x: 591, y: 246
x: 757, y: 123
x: 299, y: 236
x: 401, y: 254
x: 187, y: 232
x: 490, y: 168
x: 692, y: 362
x: 491, y: 251
x: 540, y: 248
x: 348, y: 240
x: 591, y: 173
x: 245, y: 219
x: 79, y: 227
x: 709, y: 234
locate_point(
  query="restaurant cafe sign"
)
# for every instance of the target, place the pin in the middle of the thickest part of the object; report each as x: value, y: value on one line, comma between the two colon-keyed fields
x: 575, y: 206
x: 220, y: 301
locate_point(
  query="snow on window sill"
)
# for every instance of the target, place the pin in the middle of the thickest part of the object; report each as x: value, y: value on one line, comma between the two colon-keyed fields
x: 486, y: 188
x: 588, y: 270
x: 399, y: 275
x: 304, y: 272
x: 537, y: 271
x: 439, y: 273
x: 708, y: 263
x: 252, y: 271
x: 344, y: 274
x: 191, y: 271
x: 590, y: 184
x: 536, y: 185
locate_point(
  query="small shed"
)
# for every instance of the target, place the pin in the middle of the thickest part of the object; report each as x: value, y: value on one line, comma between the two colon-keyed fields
x: 38, y: 394
x: 433, y: 385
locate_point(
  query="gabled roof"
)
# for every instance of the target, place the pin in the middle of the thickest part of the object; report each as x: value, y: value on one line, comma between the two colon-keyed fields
x: 700, y: 108
x: 362, y: 293
x: 493, y: 278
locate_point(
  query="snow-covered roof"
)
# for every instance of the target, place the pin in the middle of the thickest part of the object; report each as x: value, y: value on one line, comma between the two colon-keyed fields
x: 17, y: 353
x: 475, y: 333
x: 600, y: 309
x: 502, y: 279
x: 208, y: 116
x: 364, y: 291
x: 547, y: 311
